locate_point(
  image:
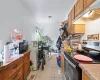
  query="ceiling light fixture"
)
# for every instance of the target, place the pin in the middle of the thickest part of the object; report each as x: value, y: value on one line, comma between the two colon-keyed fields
x: 49, y: 17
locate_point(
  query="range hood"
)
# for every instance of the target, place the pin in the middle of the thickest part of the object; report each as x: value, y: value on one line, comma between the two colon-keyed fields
x: 90, y: 14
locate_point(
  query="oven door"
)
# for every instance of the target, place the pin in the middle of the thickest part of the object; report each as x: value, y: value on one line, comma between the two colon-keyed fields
x: 71, y: 71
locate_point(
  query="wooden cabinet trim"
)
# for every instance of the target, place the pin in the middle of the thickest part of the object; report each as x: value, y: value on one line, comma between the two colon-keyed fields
x: 15, y: 69
x: 87, y: 3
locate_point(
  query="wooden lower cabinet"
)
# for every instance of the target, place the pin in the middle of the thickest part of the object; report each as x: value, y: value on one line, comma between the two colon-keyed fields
x: 21, y: 78
x: 17, y: 74
x: 1, y: 75
x: 62, y: 63
x: 26, y: 69
x: 84, y: 76
x: 26, y: 64
x: 16, y: 69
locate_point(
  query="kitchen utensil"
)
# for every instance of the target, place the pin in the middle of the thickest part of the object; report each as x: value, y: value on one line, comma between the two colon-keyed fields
x: 79, y: 47
x: 83, y: 58
x: 66, y: 47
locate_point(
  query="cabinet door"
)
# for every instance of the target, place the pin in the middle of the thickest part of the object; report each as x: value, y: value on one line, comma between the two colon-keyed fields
x: 26, y: 69
x: 87, y: 3
x: 62, y: 63
x: 85, y: 77
x: 79, y: 7
x: 72, y: 18
x: 26, y: 64
x: 73, y: 13
x: 1, y: 74
x: 70, y: 26
x: 69, y: 23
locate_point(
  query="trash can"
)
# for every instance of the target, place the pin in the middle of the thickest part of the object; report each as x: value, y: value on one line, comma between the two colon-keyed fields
x: 59, y: 61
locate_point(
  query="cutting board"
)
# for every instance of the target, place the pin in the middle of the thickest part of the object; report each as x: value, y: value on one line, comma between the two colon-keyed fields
x: 83, y: 58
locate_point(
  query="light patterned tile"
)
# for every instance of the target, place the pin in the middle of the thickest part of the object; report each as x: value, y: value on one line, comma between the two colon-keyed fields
x: 51, y: 71
x: 58, y: 79
x: 51, y: 79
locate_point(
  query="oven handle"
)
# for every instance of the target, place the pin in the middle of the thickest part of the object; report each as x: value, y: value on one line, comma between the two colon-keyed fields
x: 73, y: 65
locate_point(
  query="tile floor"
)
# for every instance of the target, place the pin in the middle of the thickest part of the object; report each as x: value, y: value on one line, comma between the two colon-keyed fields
x: 51, y: 71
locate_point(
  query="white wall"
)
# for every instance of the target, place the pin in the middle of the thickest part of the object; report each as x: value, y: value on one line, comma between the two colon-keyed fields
x: 52, y: 30
x: 14, y: 15
x: 92, y: 27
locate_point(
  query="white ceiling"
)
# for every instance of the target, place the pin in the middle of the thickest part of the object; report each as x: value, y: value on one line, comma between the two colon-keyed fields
x: 41, y: 9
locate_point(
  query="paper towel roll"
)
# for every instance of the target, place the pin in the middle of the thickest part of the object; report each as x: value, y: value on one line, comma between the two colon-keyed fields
x: 79, y: 46
x: 6, y: 53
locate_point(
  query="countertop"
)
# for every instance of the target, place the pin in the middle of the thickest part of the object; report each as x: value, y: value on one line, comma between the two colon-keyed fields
x: 13, y: 59
x: 92, y: 70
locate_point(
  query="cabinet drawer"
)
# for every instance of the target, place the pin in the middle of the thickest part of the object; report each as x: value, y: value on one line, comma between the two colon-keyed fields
x: 12, y: 68
x: 17, y: 74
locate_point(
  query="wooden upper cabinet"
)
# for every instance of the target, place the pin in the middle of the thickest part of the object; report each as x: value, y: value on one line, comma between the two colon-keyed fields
x: 71, y: 17
x: 74, y: 28
x: 79, y: 7
x: 87, y: 3
x: 73, y: 13
x: 70, y: 23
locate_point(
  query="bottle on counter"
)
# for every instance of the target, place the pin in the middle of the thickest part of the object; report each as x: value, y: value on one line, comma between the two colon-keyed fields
x: 17, y: 52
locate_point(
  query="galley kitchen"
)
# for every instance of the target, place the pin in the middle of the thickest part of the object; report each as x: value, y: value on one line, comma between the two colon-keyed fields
x: 80, y: 51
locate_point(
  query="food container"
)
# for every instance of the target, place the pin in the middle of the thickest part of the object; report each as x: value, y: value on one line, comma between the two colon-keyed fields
x: 66, y: 47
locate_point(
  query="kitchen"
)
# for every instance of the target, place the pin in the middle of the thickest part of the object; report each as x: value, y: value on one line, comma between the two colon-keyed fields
x: 83, y: 28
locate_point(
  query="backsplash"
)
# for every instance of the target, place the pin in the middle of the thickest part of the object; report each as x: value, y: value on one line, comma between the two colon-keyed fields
x: 92, y: 43
x: 92, y: 27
